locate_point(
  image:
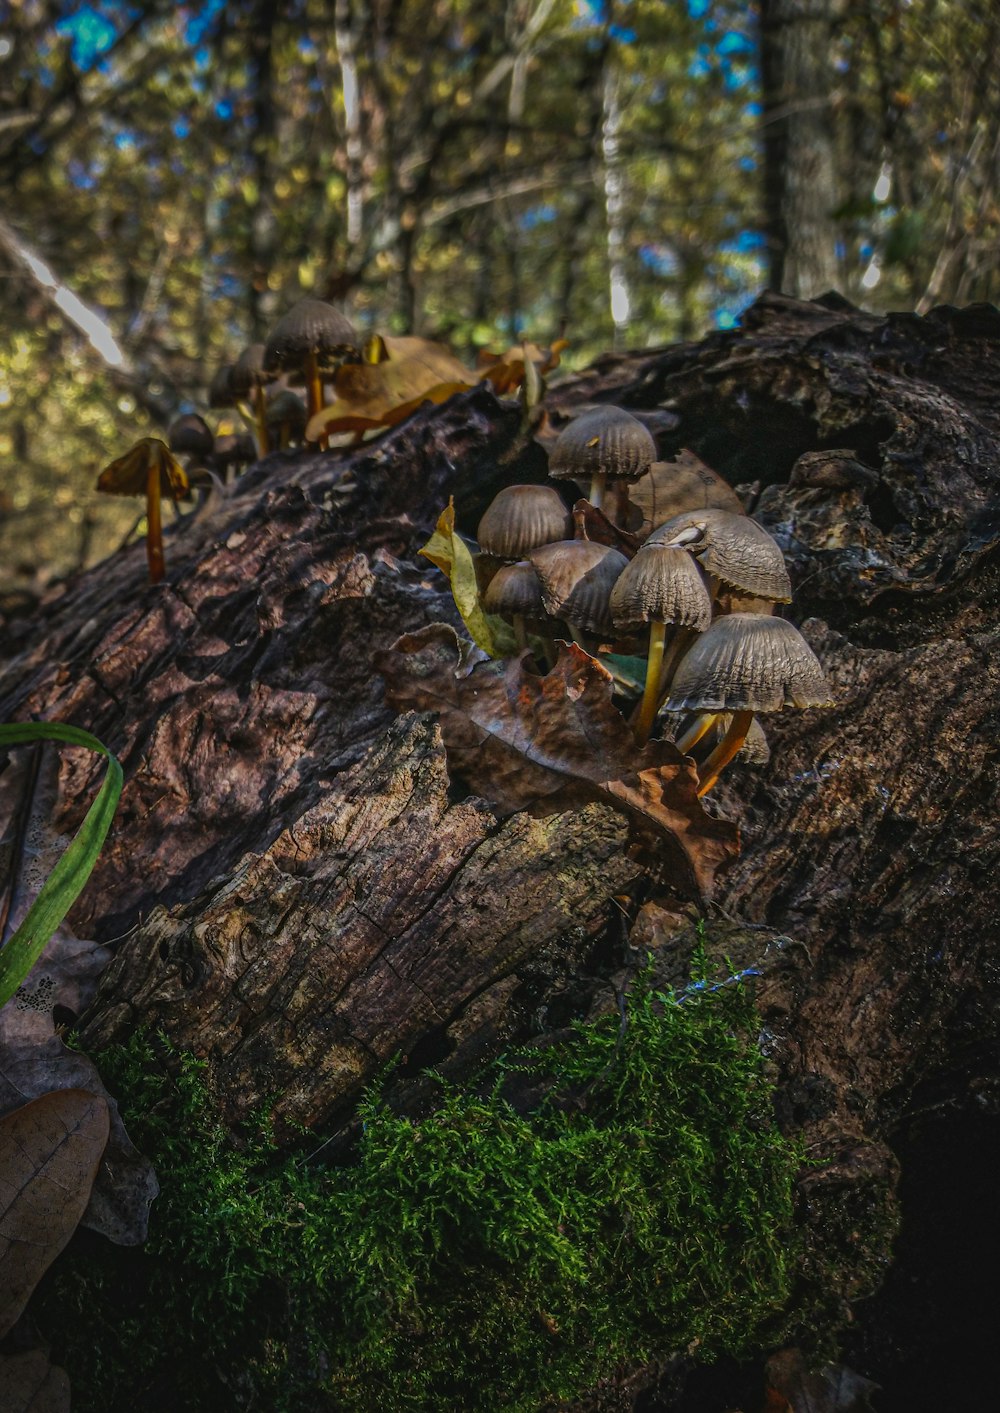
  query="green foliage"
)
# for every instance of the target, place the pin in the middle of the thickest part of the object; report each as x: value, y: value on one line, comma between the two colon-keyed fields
x: 476, y: 1258
x: 64, y: 884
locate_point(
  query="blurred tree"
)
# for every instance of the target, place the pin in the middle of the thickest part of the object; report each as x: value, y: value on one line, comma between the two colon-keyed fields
x: 473, y: 172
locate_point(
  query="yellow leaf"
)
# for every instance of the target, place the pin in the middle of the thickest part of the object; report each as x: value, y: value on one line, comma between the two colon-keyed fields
x: 448, y: 551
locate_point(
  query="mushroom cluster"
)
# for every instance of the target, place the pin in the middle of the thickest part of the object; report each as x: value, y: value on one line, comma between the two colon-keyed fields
x: 697, y: 594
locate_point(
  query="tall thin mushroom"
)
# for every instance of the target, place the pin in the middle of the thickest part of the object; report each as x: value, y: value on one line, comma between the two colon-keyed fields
x: 660, y: 586
x: 147, y: 469
x: 606, y: 444
x: 744, y: 663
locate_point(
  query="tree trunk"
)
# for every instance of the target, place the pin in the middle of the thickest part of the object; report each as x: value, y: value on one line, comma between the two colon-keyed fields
x: 800, y: 176
x: 302, y: 886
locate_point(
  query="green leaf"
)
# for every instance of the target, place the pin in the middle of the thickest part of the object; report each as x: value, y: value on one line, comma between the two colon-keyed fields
x: 448, y: 551
x: 64, y: 884
x: 629, y: 672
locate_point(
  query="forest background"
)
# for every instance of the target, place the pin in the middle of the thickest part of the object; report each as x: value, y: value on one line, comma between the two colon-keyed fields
x: 621, y: 173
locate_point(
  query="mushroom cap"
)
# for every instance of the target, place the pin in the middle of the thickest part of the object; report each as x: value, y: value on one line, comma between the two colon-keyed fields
x: 515, y: 588
x: 577, y: 578
x: 248, y: 370
x: 738, y: 551
x: 286, y: 406
x: 663, y: 584
x: 234, y: 449
x: 749, y: 662
x: 220, y: 389
x: 128, y: 475
x: 520, y: 518
x: 190, y: 433
x: 607, y: 441
x: 310, y: 326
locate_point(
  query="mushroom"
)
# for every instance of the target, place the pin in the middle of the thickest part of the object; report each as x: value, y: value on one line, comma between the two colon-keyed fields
x: 220, y: 391
x: 246, y: 381
x: 520, y: 518
x: 660, y: 586
x: 606, y: 444
x: 148, y: 469
x: 286, y: 417
x: 190, y: 435
x: 577, y: 577
x: 310, y: 338
x: 515, y: 593
x: 743, y: 664
x: 737, y: 552
x: 231, y: 451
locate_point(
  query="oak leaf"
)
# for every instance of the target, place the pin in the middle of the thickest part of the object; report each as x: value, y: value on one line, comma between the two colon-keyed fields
x: 550, y: 742
x: 49, y: 1154
x: 30, y: 1384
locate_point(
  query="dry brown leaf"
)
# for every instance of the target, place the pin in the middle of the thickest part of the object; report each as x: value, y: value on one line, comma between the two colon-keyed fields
x: 33, y: 1058
x: 684, y: 483
x: 793, y: 1387
x: 30, y: 1384
x: 49, y: 1154
x: 525, y: 741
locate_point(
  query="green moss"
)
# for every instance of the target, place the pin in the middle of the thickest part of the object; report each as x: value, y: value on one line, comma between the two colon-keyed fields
x: 478, y: 1258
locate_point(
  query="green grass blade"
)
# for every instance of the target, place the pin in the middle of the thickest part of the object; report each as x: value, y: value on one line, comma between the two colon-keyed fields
x: 64, y: 884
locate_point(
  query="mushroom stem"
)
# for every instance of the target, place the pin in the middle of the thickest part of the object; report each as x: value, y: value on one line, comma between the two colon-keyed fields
x: 314, y: 392
x: 520, y: 632
x: 620, y: 504
x: 260, y: 418
x: 681, y: 641
x: 597, y: 484
x: 650, y: 697
x: 724, y: 751
x: 686, y: 743
x: 154, y: 526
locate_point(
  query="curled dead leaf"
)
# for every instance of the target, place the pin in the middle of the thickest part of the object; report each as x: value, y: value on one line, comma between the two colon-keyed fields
x: 550, y: 742
x: 49, y: 1154
x: 30, y: 1384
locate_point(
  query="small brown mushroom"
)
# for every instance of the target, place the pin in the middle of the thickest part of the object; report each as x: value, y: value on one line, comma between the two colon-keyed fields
x: 515, y: 593
x: 286, y: 418
x: 734, y: 549
x: 312, y: 337
x: 577, y: 578
x: 246, y: 380
x: 190, y: 435
x: 232, y: 451
x: 744, y: 663
x: 660, y: 586
x: 147, y: 469
x: 520, y: 518
x: 606, y: 444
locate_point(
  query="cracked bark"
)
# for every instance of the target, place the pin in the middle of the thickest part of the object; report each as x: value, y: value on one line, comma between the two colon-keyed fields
x: 302, y: 892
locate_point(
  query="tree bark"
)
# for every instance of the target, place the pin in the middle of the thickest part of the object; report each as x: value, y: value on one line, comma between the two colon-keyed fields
x: 300, y: 887
x: 800, y: 174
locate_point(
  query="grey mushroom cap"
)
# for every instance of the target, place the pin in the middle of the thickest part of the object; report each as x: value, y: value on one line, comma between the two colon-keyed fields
x: 311, y: 326
x: 663, y: 584
x: 515, y: 588
x: 190, y: 434
x: 248, y: 370
x: 608, y: 442
x: 738, y: 551
x: 577, y: 579
x: 220, y: 389
x: 749, y: 662
x: 520, y: 518
x: 286, y: 406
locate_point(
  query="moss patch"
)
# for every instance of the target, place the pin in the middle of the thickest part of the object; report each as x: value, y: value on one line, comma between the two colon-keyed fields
x: 477, y: 1258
